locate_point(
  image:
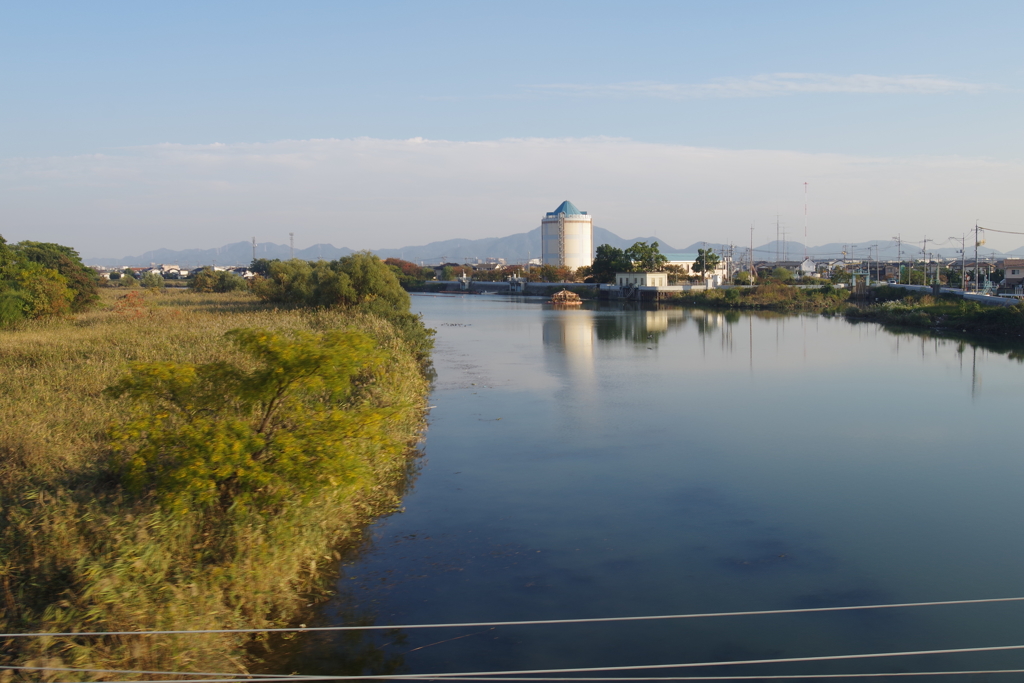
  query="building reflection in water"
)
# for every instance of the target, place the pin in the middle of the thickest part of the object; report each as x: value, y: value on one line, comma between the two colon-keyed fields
x: 637, y: 325
x: 569, y: 342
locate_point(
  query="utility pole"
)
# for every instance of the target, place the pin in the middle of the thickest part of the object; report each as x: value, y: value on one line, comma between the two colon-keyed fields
x: 291, y: 242
x: 924, y: 255
x: 963, y: 263
x: 752, y: 253
x: 974, y: 273
x: 899, y: 259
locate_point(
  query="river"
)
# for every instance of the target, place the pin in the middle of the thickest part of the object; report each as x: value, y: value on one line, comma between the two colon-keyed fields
x: 613, y: 462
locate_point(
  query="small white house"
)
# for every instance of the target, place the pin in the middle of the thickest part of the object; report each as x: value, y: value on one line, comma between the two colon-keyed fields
x: 641, y: 279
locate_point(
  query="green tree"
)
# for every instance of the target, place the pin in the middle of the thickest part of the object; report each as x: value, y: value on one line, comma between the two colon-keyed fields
x: 261, y: 266
x: 211, y: 280
x: 82, y: 280
x: 706, y: 263
x: 217, y: 436
x: 360, y: 281
x: 646, y: 258
x: 230, y: 282
x: 781, y: 274
x: 839, y: 276
x: 153, y: 280
x: 33, y: 283
x: 204, y: 281
x: 608, y: 261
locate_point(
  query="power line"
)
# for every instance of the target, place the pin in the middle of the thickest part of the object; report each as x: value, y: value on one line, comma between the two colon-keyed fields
x: 533, y: 622
x: 640, y: 678
x: 502, y: 675
x: 1005, y: 232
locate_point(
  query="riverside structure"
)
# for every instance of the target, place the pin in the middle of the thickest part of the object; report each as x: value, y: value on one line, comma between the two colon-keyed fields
x: 567, y: 237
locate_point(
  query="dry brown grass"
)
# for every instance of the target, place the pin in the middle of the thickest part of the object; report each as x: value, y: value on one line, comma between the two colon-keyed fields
x: 76, y: 555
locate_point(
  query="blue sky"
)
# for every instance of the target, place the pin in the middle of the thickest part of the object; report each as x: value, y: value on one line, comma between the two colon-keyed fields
x: 901, y: 116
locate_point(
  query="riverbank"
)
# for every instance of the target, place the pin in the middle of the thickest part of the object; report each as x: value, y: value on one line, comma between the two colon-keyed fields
x: 768, y: 297
x: 83, y: 552
x: 945, y: 312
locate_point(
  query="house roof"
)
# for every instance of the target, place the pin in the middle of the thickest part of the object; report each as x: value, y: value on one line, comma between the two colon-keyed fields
x: 568, y: 208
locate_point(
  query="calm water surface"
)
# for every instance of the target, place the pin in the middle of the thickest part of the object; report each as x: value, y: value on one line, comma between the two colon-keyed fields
x: 612, y: 462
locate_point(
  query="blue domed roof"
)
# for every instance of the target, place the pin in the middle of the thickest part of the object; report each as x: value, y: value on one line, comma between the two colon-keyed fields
x: 568, y: 208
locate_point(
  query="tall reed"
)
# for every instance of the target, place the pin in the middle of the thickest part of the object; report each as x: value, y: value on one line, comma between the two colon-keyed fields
x: 78, y: 554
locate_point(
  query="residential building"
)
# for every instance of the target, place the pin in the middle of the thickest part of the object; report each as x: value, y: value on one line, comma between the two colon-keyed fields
x: 641, y: 279
x: 1013, y: 272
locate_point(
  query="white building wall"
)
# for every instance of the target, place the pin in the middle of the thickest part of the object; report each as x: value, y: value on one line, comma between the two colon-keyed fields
x: 577, y: 240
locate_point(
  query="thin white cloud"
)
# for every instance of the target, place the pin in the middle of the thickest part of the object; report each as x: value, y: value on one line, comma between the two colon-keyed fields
x: 766, y: 85
x: 373, y: 193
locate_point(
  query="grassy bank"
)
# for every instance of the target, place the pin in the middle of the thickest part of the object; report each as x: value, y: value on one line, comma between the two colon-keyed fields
x: 80, y: 552
x: 769, y: 297
x: 900, y: 308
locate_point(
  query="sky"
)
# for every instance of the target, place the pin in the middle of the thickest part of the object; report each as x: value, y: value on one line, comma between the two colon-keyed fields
x: 127, y: 127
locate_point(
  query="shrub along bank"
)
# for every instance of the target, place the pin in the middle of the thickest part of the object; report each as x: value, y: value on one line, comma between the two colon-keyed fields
x: 184, y: 461
x: 947, y: 311
x: 773, y: 296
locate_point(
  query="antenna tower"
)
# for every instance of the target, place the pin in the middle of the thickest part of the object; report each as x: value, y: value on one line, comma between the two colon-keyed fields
x: 805, y: 221
x: 291, y: 242
x: 253, y: 248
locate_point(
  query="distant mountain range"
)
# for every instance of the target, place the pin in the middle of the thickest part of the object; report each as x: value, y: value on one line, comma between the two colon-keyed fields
x: 514, y: 249
x: 525, y: 245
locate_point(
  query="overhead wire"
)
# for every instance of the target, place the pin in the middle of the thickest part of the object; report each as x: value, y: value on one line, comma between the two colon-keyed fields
x: 507, y: 674
x: 1005, y: 232
x: 531, y: 622
x: 620, y: 678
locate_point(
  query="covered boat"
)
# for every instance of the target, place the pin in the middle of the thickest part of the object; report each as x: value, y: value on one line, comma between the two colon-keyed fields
x: 566, y: 298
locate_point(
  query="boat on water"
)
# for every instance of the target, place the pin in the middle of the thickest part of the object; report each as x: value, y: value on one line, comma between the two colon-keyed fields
x: 565, y: 298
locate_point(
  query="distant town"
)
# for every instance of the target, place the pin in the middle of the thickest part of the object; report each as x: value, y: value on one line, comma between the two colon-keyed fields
x: 564, y: 248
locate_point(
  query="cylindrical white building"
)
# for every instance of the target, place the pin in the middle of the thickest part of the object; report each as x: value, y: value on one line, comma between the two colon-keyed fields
x: 567, y: 237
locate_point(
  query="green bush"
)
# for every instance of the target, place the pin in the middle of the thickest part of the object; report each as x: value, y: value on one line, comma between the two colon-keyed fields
x: 153, y: 281
x: 221, y: 281
x: 359, y: 282
x: 39, y: 279
x: 219, y: 435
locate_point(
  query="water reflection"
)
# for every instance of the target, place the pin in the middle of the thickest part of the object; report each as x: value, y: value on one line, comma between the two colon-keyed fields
x: 640, y: 326
x: 569, y: 337
x: 681, y: 461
